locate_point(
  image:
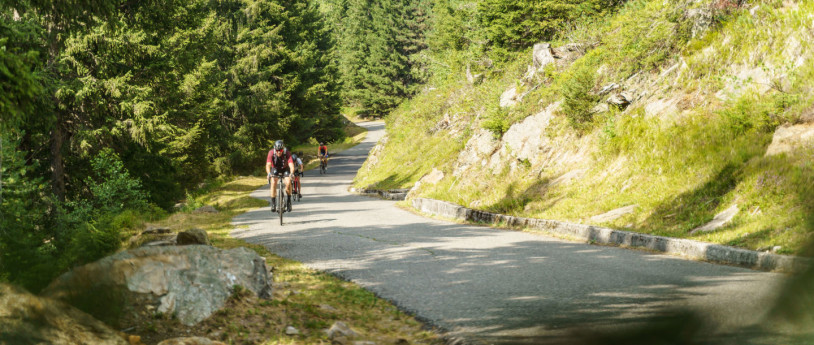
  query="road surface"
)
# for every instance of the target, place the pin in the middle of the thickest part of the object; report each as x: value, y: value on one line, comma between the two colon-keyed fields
x: 487, y: 285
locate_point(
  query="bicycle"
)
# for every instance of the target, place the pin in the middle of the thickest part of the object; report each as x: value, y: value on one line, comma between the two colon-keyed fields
x: 281, y: 201
x: 323, y: 165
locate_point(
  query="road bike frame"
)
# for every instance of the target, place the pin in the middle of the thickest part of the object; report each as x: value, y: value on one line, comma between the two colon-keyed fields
x: 280, y: 193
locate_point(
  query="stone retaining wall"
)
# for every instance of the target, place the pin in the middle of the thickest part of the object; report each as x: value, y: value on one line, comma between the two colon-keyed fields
x: 687, y: 248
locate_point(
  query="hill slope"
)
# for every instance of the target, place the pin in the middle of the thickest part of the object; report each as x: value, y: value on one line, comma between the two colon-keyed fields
x: 668, y: 112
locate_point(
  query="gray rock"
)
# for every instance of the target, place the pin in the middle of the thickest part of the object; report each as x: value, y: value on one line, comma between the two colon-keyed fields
x: 327, y: 308
x: 291, y: 331
x: 152, y: 230
x: 788, y: 138
x: 28, y: 319
x: 773, y: 249
x: 192, y: 236
x: 433, y: 177
x: 206, y: 209
x: 473, y: 78
x: 613, y: 214
x: 191, y: 341
x: 620, y: 100
x: 719, y: 220
x: 526, y: 138
x: 191, y: 282
x: 159, y: 243
x: 542, y: 55
x: 701, y: 19
x: 340, y: 329
x: 481, y: 144
x: 509, y: 98
x: 608, y: 88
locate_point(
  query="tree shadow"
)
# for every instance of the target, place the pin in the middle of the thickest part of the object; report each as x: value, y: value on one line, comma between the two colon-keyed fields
x: 693, y: 208
x: 515, y: 200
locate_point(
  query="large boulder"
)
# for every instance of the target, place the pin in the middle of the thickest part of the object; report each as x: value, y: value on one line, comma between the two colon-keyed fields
x: 192, y: 236
x: 189, y: 282
x: 29, y: 319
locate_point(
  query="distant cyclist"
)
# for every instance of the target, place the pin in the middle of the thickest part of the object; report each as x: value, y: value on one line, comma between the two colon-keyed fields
x: 279, y: 163
x: 322, y: 153
x: 298, y: 169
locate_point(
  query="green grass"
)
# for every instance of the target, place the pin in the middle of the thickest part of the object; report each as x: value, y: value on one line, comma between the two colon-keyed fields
x: 680, y: 169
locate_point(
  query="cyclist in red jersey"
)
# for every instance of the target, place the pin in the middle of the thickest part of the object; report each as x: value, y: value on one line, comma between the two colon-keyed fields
x: 278, y: 163
x: 322, y: 153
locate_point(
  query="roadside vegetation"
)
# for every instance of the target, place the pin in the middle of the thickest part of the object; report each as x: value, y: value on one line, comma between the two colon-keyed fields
x: 729, y: 81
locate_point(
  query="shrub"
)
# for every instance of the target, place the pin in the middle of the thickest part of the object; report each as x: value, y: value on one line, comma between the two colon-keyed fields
x: 497, y: 121
x: 578, y: 100
x: 111, y: 186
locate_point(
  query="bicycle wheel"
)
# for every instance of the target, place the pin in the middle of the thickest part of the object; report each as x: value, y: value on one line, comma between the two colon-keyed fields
x: 299, y: 191
x: 280, y: 200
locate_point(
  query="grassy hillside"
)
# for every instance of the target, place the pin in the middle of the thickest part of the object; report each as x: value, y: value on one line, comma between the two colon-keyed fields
x: 708, y: 93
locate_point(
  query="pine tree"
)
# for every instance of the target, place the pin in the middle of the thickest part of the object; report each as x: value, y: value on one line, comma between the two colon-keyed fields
x: 517, y: 24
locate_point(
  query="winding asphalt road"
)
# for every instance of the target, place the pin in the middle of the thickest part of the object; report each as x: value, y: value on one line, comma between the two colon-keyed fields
x: 486, y: 285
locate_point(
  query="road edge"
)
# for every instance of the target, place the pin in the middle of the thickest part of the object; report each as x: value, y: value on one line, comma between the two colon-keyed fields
x: 696, y: 250
x: 690, y: 249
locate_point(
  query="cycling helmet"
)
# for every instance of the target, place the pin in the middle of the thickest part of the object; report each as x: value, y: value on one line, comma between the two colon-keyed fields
x: 278, y: 145
x: 294, y: 156
x: 321, y: 143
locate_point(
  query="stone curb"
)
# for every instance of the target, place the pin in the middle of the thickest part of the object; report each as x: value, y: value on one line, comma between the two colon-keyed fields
x: 688, y: 248
x: 390, y: 194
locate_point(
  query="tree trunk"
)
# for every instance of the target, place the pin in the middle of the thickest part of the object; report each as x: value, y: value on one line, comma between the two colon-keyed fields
x: 58, y: 133
x: 57, y: 166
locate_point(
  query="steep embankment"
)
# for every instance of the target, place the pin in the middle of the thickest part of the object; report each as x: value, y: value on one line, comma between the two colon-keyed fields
x: 671, y: 114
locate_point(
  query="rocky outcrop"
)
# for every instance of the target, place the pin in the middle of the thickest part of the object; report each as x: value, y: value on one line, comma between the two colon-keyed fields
x: 527, y: 138
x: 524, y: 144
x: 29, y: 319
x: 509, y: 98
x: 480, y: 146
x: 542, y: 55
x: 190, y: 282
